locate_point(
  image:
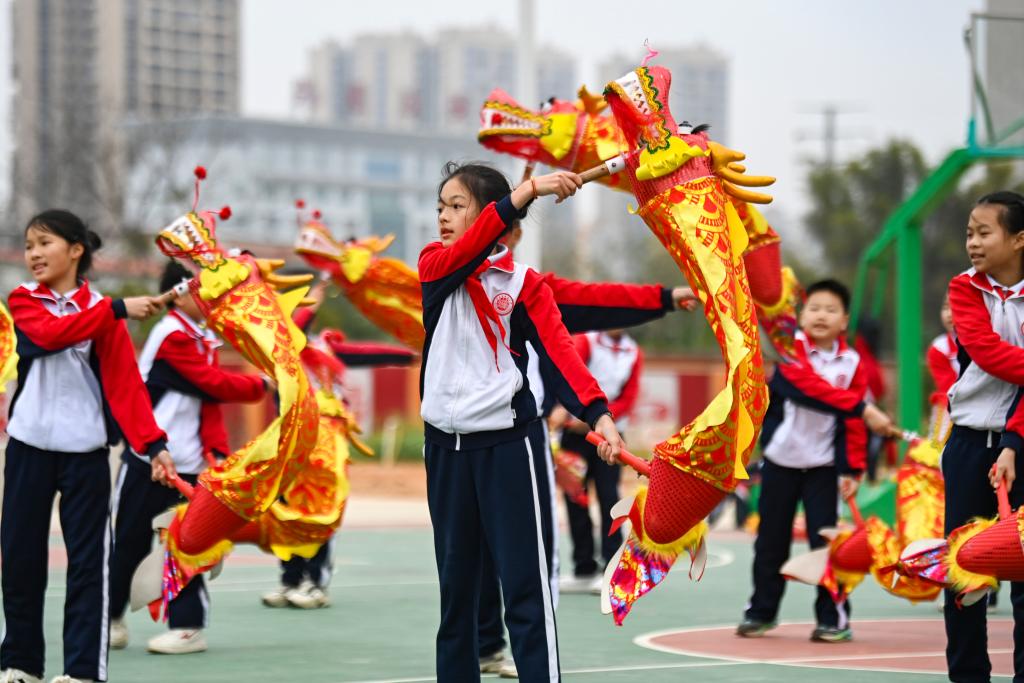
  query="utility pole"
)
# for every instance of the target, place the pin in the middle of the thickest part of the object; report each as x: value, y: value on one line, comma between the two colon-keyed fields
x: 528, y: 250
x: 829, y: 135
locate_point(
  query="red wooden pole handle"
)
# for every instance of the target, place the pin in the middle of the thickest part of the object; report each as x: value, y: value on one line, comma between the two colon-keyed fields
x: 858, y: 519
x: 625, y: 457
x: 184, y: 488
x: 1003, y: 498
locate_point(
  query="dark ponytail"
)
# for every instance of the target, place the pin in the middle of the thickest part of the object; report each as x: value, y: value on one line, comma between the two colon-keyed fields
x: 485, y: 183
x: 1012, y: 215
x: 72, y: 230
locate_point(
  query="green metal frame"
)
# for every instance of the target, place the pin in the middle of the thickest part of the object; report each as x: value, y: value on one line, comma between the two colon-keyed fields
x: 902, y: 230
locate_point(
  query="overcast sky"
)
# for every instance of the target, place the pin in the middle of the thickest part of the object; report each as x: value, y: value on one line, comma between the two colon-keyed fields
x: 897, y: 66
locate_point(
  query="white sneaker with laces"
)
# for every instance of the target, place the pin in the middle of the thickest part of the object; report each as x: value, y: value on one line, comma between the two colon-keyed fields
x: 277, y: 597
x: 491, y: 664
x: 118, y: 634
x: 577, y: 584
x: 508, y: 670
x: 308, y: 596
x: 178, y: 641
x: 18, y: 676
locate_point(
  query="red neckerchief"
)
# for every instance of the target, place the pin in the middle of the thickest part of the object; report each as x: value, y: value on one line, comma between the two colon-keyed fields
x: 1003, y: 292
x: 485, y: 312
x: 209, y: 345
x: 615, y: 346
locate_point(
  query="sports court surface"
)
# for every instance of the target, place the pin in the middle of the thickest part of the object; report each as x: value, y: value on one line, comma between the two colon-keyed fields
x: 385, y: 609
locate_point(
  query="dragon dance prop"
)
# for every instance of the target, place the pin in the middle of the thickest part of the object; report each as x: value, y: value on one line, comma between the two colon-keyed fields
x: 580, y: 135
x: 975, y: 557
x: 238, y: 299
x: 676, y: 178
x: 384, y: 289
x: 311, y: 507
x: 8, y: 346
x: 872, y: 547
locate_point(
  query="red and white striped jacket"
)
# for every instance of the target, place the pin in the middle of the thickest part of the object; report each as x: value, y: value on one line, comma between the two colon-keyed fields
x: 186, y: 384
x: 473, y: 382
x: 943, y: 366
x: 988, y: 320
x: 818, y: 421
x: 616, y: 365
x: 79, y: 387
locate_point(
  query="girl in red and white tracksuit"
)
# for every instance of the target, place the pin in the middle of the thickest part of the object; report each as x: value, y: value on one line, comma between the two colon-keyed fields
x: 486, y: 480
x: 987, y: 303
x: 79, y: 391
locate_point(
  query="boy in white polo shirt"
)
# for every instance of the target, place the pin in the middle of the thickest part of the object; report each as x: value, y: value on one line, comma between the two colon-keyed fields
x: 813, y: 449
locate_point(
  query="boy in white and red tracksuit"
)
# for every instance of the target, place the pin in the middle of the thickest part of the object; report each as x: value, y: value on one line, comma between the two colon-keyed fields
x: 187, y: 386
x: 812, y: 436
x: 616, y: 362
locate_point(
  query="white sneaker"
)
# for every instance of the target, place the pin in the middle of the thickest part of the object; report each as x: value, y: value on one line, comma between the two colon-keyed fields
x: 308, y: 596
x: 178, y: 641
x: 277, y: 597
x: 596, y: 585
x: 578, y: 584
x: 17, y: 676
x: 508, y: 670
x: 491, y: 664
x: 118, y: 634
x: 70, y: 679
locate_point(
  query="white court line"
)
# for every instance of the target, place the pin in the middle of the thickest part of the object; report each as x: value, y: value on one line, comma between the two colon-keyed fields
x: 646, y: 641
x: 570, y: 672
x: 246, y: 586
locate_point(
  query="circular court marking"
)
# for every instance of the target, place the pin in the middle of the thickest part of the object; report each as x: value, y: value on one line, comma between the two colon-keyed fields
x: 889, y: 645
x: 719, y: 558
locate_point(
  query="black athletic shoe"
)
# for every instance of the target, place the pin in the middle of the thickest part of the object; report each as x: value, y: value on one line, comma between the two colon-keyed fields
x: 831, y: 634
x: 751, y: 628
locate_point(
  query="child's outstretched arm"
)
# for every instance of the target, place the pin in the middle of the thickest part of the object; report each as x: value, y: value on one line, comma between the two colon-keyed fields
x: 41, y: 332
x: 799, y: 383
x: 125, y: 392
x: 588, y: 306
x: 560, y: 364
x: 187, y: 371
x: 974, y: 331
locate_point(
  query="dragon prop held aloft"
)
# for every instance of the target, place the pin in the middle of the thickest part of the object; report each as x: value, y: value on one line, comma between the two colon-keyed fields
x: 872, y: 547
x: 384, y: 289
x: 238, y: 298
x: 676, y: 179
x: 579, y: 135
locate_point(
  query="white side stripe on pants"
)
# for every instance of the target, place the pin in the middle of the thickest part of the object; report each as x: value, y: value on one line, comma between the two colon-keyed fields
x: 545, y: 576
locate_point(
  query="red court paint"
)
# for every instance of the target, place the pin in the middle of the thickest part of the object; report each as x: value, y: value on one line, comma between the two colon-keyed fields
x: 910, y: 645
